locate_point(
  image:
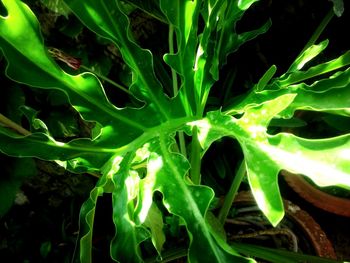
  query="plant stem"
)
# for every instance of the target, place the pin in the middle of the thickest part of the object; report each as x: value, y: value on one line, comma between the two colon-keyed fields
x: 106, y: 79
x: 181, y: 135
x: 196, y: 151
x: 232, y: 193
x: 172, y: 51
x: 14, y: 126
x: 318, y: 31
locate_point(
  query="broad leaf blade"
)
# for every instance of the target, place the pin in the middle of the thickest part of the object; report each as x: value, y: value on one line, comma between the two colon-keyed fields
x: 323, y: 160
x: 166, y: 173
x: 86, y: 221
x: 307, y: 56
x: 125, y: 244
x: 81, y: 155
x: 30, y: 63
x: 182, y: 15
x: 107, y: 19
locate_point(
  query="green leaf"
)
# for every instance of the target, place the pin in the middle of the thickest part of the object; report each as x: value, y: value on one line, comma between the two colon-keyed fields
x: 200, y: 55
x: 327, y: 94
x: 324, y: 160
x: 57, y: 6
x: 30, y: 63
x: 340, y: 123
x: 106, y: 18
x: 299, y: 76
x: 266, y: 78
x: 150, y: 6
x: 288, y: 123
x: 308, y: 55
x: 35, y: 123
x: 230, y: 42
x: 166, y: 173
x: 81, y: 154
x: 45, y: 249
x: 125, y: 244
x: 182, y: 15
x: 154, y: 221
x: 338, y: 7
x: 86, y: 220
x: 245, y: 4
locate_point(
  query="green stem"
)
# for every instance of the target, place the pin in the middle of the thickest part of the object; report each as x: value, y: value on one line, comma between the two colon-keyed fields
x: 196, y: 151
x: 172, y: 51
x: 106, y: 79
x: 14, y: 126
x: 232, y: 193
x: 181, y: 135
x: 317, y: 32
x: 182, y: 143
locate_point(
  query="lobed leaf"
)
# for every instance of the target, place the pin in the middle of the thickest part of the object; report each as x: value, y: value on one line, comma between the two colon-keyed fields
x: 327, y: 95
x: 166, y: 173
x: 307, y: 56
x: 181, y: 15
x: 86, y: 221
x: 299, y: 76
x: 81, y: 155
x: 30, y: 63
x: 106, y: 18
x: 128, y: 235
x: 323, y: 160
x: 200, y: 55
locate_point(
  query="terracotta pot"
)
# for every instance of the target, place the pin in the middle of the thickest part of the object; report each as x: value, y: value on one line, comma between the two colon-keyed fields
x: 297, y: 223
x: 328, y: 202
x: 320, y: 199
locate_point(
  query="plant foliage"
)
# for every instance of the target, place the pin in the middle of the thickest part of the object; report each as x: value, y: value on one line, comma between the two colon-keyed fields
x: 131, y: 140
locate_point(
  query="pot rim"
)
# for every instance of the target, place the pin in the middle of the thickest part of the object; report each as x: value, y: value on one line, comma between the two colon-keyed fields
x: 330, y: 203
x: 318, y: 238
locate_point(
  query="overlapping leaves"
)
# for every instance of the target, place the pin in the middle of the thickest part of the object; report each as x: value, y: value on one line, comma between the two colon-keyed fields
x: 123, y: 133
x: 201, y: 54
x: 133, y: 136
x: 322, y: 160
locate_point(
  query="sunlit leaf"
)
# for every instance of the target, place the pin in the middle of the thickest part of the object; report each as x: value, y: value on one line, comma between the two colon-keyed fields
x: 323, y: 160
x: 124, y: 246
x: 167, y: 174
x: 245, y: 4
x: 134, y: 150
x: 107, y: 19
x: 86, y: 221
x: 308, y: 55
x: 154, y: 221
